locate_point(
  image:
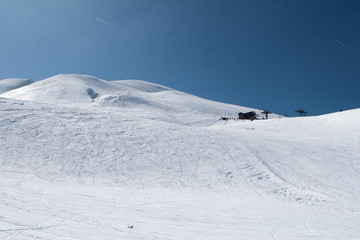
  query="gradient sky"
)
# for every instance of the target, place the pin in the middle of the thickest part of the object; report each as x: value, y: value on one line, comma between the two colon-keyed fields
x: 279, y: 55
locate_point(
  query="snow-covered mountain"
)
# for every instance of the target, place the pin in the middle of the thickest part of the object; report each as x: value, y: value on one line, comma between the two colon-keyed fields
x: 13, y: 83
x: 85, y: 91
x: 84, y: 158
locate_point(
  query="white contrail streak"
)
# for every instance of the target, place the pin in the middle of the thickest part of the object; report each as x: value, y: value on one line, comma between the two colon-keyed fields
x: 103, y: 21
x: 344, y: 45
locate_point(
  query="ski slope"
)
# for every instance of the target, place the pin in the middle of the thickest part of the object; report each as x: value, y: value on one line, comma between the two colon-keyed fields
x: 85, y: 158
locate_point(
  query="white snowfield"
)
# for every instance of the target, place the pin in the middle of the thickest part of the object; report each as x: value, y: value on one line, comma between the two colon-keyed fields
x: 84, y: 158
x: 13, y: 83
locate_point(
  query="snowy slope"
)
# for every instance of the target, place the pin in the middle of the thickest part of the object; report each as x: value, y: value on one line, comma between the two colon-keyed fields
x: 82, y: 91
x: 13, y: 83
x: 321, y: 153
x: 86, y: 164
x: 63, y: 89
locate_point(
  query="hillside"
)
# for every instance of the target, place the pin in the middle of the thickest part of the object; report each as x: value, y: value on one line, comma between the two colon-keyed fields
x: 13, y: 83
x: 84, y: 158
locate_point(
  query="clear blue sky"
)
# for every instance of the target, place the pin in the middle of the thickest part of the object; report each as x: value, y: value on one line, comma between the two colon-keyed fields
x: 278, y: 55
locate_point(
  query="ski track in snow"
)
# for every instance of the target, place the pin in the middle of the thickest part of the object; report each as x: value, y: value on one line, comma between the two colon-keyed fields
x: 160, y: 161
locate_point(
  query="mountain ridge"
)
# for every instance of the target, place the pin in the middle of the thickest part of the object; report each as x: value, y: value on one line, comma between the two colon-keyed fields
x: 9, y: 84
x: 99, y: 157
x: 85, y: 90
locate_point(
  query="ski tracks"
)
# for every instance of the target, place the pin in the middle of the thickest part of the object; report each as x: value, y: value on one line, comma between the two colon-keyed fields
x: 258, y: 174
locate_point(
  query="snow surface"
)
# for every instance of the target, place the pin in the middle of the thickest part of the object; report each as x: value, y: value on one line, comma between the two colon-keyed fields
x: 84, y: 158
x: 13, y: 83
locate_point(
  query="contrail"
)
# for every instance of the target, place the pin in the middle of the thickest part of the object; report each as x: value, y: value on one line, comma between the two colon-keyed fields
x: 344, y: 45
x: 103, y: 21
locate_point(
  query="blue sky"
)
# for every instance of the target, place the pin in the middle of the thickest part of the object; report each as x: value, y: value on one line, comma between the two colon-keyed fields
x: 279, y: 55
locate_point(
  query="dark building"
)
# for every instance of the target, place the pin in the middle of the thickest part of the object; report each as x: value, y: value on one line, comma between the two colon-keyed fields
x: 249, y: 115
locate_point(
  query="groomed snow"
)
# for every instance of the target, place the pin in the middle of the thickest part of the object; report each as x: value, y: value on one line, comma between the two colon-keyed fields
x: 84, y: 158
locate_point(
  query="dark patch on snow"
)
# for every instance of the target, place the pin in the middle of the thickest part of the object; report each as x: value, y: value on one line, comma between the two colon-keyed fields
x: 92, y: 94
